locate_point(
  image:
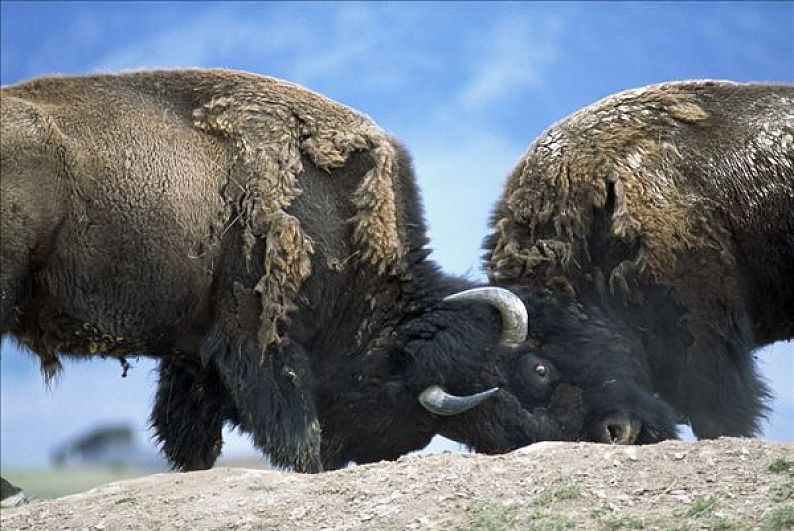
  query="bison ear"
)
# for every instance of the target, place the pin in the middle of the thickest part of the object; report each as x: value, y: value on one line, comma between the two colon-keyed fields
x: 515, y: 321
x: 436, y: 400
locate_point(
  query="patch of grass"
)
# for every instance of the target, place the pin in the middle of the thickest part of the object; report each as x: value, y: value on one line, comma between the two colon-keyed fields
x: 600, y: 513
x: 780, y: 465
x: 553, y: 494
x: 781, y: 518
x: 781, y: 493
x: 494, y: 516
x: 702, y: 506
x: 624, y: 522
x: 262, y: 487
x: 722, y: 524
x: 549, y: 522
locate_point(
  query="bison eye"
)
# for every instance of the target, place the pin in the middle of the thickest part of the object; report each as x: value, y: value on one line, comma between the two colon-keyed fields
x: 540, y: 370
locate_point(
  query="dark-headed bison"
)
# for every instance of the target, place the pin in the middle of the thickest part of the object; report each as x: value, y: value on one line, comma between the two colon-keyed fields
x: 668, y: 212
x: 268, y: 246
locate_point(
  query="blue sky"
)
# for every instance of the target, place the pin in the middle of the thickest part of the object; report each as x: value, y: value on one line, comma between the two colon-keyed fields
x: 465, y: 86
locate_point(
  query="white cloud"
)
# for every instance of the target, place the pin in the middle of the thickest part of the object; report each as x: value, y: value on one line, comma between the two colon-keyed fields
x: 357, y: 46
x: 308, y: 45
x: 347, y: 37
x: 512, y: 56
x: 214, y: 37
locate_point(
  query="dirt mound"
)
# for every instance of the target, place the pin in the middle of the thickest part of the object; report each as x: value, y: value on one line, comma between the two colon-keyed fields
x: 722, y: 484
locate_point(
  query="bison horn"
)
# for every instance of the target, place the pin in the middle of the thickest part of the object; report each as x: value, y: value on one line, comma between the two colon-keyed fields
x: 514, y: 314
x: 438, y: 401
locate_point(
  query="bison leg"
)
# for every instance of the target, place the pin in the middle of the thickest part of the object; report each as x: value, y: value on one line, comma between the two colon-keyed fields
x: 273, y: 393
x: 712, y: 379
x: 727, y: 398
x: 190, y: 408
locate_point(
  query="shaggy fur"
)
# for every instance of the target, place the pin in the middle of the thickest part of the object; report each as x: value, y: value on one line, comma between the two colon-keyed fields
x: 151, y: 213
x: 271, y: 125
x: 268, y: 246
x: 671, y: 210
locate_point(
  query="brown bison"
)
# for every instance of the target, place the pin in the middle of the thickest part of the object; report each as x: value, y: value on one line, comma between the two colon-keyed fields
x: 268, y: 246
x: 667, y: 212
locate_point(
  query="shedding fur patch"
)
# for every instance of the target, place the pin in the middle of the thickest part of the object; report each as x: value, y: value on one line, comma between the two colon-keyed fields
x: 663, y: 183
x: 621, y: 149
x: 271, y: 125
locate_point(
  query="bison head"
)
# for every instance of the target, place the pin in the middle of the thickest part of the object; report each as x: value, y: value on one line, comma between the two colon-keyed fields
x: 494, y: 369
x: 559, y: 371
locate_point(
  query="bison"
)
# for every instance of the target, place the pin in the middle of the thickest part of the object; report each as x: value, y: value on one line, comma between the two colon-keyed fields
x: 268, y: 246
x: 667, y: 213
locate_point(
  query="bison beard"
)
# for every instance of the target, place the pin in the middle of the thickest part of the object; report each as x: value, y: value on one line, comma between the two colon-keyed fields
x: 668, y: 213
x: 268, y: 246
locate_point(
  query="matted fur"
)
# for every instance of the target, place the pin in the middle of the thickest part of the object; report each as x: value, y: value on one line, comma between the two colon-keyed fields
x: 566, y: 175
x: 182, y: 215
x: 630, y: 150
x: 266, y: 125
x: 673, y: 207
x: 272, y: 124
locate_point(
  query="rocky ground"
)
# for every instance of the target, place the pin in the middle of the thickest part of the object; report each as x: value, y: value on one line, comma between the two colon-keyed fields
x: 723, y: 484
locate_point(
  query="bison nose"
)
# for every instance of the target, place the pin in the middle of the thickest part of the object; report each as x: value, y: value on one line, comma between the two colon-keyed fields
x: 616, y: 429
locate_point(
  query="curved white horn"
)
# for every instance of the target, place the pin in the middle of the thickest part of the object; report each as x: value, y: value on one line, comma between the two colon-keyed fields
x: 515, y: 322
x: 438, y: 401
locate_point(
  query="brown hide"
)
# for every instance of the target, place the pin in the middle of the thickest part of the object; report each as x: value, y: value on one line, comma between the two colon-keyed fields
x: 688, y: 185
x: 116, y: 191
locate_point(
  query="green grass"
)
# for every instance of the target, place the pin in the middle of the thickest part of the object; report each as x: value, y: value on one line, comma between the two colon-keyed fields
x: 262, y: 487
x: 702, y: 506
x: 54, y: 483
x: 600, y: 513
x: 558, y: 493
x: 784, y: 492
x: 493, y: 516
x: 722, y: 524
x: 549, y: 522
x: 781, y: 518
x: 780, y: 465
x: 624, y: 522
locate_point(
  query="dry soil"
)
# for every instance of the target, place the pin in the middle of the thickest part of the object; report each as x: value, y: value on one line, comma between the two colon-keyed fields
x: 722, y: 484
